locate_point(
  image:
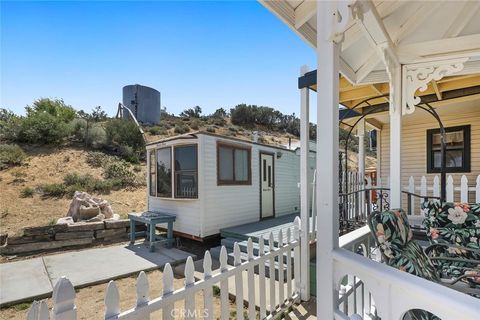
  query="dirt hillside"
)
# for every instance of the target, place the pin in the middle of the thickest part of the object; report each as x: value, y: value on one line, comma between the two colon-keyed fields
x: 49, y: 165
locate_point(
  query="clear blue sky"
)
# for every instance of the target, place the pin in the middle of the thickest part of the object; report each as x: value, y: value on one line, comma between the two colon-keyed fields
x: 212, y: 54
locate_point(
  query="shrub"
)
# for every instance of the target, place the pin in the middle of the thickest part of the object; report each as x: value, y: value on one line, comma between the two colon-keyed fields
x: 27, y: 192
x: 195, y: 124
x: 195, y: 112
x: 157, y: 130
x: 42, y: 128
x: 77, y: 128
x: 181, y: 129
x: 125, y: 135
x: 97, y: 159
x: 11, y: 155
x: 120, y: 173
x: 56, y: 190
x: 54, y: 107
x: 211, y: 129
x: 96, y: 136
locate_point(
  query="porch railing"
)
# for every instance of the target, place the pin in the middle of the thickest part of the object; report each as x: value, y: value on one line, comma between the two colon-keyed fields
x: 373, y: 290
x: 280, y: 295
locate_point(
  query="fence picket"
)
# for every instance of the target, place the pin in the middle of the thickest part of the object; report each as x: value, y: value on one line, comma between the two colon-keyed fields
x: 261, y: 278
x: 450, y: 188
x: 464, y: 189
x: 39, y: 311
x: 289, y: 266
x: 271, y: 263
x: 207, y: 292
x: 296, y: 254
x: 238, y: 281
x: 224, y: 285
x: 112, y: 300
x: 281, y: 282
x: 189, y: 281
x: 423, y: 187
x: 436, y: 186
x: 143, y: 289
x: 167, y: 312
x: 251, y: 282
x: 477, y: 190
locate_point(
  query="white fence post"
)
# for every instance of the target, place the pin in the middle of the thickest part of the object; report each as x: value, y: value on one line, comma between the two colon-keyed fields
x: 64, y: 300
x: 238, y: 281
x: 436, y: 186
x: 207, y: 292
x: 112, y: 300
x: 167, y: 312
x: 289, y: 265
x: 38, y: 311
x: 464, y: 189
x: 143, y: 289
x: 224, y: 284
x: 281, y: 282
x: 296, y: 254
x: 271, y: 265
x: 189, y: 281
x: 261, y: 278
x: 450, y: 188
x: 477, y: 190
x: 251, y: 282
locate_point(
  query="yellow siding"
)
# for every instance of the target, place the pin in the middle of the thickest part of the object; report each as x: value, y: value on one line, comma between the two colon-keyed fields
x: 414, y: 148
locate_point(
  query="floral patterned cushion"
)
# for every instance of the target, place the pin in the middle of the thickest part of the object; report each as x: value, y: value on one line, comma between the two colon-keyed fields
x: 394, y: 237
x: 454, y: 224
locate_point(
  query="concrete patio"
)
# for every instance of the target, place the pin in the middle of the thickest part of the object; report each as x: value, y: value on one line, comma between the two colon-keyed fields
x: 34, y: 278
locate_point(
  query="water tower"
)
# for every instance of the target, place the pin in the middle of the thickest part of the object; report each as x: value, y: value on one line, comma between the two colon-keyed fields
x: 144, y: 102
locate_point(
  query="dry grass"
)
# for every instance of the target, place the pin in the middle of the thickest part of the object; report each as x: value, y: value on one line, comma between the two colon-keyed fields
x: 47, y: 165
x: 90, y: 300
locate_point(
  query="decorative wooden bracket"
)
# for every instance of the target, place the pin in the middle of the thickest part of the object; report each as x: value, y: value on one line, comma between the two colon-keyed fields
x: 417, y: 76
x: 342, y: 12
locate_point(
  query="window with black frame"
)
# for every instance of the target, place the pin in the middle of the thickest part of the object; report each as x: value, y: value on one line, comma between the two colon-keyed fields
x: 457, y: 140
x: 186, y: 180
x: 164, y: 173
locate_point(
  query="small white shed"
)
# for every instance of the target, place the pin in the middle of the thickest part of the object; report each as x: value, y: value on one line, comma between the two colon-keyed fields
x: 212, y: 182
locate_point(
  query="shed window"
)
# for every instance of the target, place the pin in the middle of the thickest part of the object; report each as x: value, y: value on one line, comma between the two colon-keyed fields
x: 153, y: 174
x: 164, y: 173
x: 457, y: 149
x: 186, y: 184
x: 233, y: 165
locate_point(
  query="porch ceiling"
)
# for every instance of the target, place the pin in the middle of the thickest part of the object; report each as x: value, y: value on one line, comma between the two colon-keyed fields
x: 416, y: 31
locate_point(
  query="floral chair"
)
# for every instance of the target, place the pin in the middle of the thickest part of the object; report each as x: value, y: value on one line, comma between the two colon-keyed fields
x: 394, y: 238
x: 454, y: 232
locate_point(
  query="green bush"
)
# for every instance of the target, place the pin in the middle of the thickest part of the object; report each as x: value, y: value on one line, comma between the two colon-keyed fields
x: 97, y: 159
x: 126, y: 136
x: 211, y: 129
x: 120, y: 173
x: 157, y: 130
x: 27, y: 192
x: 96, y: 136
x: 181, y: 129
x: 55, y: 190
x: 54, y: 107
x: 77, y: 128
x: 11, y: 155
x: 195, y: 124
x: 42, y: 128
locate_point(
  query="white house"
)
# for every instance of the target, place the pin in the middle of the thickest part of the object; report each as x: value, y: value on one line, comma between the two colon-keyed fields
x: 211, y: 181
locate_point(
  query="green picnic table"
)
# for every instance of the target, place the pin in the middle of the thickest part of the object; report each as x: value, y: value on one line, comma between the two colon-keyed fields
x: 151, y: 219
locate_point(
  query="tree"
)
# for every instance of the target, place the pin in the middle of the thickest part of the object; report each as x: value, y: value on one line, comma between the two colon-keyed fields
x: 98, y: 114
x: 219, y: 113
x: 56, y: 108
x: 195, y: 112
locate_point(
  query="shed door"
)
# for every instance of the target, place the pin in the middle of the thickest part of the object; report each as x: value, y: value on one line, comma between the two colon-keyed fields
x: 266, y: 185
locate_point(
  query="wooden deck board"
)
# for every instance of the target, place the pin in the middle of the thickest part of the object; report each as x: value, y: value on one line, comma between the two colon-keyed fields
x: 263, y: 227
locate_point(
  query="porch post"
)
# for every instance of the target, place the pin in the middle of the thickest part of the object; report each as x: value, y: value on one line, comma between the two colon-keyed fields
x: 395, y: 138
x: 379, y: 158
x: 327, y: 160
x: 305, y: 183
x: 361, y: 150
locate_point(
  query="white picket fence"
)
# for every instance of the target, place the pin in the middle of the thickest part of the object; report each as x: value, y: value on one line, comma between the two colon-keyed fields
x: 63, y: 298
x: 453, y: 193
